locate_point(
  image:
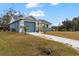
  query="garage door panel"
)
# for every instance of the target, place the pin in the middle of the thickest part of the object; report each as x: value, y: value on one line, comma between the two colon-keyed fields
x: 31, y: 26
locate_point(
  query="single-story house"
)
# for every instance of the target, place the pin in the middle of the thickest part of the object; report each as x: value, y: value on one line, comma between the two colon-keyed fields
x: 35, y: 25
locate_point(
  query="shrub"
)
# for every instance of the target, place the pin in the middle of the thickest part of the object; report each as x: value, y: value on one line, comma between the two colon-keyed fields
x: 25, y: 28
x: 46, y: 51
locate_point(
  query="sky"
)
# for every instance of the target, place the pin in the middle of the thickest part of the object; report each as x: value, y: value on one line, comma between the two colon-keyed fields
x: 54, y: 13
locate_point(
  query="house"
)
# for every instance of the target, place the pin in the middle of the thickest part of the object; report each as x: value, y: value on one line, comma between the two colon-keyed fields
x: 15, y: 21
x: 35, y: 25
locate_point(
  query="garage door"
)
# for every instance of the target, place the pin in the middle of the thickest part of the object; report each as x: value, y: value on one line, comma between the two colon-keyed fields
x: 31, y: 26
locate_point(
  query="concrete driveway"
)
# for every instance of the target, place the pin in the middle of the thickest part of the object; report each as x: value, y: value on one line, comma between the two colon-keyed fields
x: 70, y: 42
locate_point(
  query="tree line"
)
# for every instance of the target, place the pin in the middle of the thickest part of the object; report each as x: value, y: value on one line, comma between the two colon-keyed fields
x: 68, y: 25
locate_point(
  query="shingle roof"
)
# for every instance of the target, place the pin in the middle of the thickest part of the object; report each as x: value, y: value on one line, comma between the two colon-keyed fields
x: 29, y: 18
x: 44, y: 21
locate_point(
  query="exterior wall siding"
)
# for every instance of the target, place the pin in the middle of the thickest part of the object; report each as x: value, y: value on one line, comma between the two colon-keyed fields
x: 40, y: 26
x: 14, y: 26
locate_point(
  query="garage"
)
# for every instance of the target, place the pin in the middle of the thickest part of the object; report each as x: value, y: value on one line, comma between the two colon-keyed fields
x: 31, y: 26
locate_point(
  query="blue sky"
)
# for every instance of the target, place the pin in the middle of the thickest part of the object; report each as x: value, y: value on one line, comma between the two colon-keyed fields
x: 54, y: 13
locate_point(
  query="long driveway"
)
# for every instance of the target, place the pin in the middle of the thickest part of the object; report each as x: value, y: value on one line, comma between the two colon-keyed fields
x: 70, y: 42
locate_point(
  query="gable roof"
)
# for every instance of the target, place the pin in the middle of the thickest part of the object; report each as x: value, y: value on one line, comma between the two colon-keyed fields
x: 44, y: 21
x: 29, y: 18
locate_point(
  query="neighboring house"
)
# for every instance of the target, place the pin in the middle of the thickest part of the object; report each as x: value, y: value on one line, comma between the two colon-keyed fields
x: 34, y: 24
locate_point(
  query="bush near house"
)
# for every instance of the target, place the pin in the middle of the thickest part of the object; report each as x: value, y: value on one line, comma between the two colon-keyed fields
x: 25, y: 28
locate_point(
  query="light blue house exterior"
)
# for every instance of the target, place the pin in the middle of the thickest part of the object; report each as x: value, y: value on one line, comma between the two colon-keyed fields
x: 14, y: 26
x: 33, y: 24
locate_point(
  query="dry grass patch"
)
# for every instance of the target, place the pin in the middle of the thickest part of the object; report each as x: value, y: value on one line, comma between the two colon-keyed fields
x: 72, y: 35
x: 20, y: 44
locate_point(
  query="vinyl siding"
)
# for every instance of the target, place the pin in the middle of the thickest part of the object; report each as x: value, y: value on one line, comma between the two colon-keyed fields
x: 14, y: 26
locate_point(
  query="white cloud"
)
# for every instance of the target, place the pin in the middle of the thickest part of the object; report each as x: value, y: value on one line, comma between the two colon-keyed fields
x: 31, y: 5
x: 54, y: 3
x: 37, y: 13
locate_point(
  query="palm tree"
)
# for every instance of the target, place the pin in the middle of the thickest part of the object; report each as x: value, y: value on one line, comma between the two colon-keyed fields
x: 25, y: 28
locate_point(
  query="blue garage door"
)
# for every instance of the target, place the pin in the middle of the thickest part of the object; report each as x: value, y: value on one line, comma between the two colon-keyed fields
x: 31, y: 26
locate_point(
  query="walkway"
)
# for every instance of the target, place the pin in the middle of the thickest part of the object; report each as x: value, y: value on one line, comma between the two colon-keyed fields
x: 70, y: 42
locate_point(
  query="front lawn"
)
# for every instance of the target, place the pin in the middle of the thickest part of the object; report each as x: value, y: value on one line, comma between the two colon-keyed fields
x: 19, y: 44
x: 72, y: 35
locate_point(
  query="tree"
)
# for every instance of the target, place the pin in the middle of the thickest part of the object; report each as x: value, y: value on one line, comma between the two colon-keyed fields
x: 61, y: 28
x: 67, y: 24
x: 71, y: 25
x: 6, y: 18
x: 75, y: 22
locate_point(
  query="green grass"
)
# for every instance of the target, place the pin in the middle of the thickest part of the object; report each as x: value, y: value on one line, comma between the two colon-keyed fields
x: 72, y: 35
x: 18, y: 44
